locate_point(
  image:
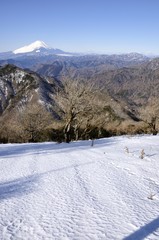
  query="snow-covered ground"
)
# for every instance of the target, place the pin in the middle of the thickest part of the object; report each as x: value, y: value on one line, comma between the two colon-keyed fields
x: 78, y: 192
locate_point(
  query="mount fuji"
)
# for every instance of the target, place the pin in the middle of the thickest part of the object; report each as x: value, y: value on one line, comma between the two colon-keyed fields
x: 37, y: 48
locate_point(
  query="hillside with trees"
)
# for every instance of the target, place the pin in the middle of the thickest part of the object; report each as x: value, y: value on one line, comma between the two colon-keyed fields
x: 84, y: 99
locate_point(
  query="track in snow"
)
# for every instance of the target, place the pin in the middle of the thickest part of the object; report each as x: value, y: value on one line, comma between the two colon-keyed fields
x: 74, y: 191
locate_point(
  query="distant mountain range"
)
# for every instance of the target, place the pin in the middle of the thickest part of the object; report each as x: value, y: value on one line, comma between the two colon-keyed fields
x: 35, y: 71
x: 53, y: 62
x: 39, y: 48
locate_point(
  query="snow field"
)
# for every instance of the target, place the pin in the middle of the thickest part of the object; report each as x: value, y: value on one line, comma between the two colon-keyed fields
x: 78, y: 192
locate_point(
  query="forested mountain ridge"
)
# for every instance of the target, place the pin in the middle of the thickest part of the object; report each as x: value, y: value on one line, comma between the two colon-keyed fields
x: 115, y: 90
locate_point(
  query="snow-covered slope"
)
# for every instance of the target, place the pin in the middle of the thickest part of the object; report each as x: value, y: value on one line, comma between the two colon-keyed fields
x: 74, y: 191
x: 35, y: 46
x: 19, y: 87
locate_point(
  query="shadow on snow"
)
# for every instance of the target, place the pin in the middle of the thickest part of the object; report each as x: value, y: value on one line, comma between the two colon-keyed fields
x: 11, y: 150
x: 144, y: 231
x: 17, y: 187
x: 26, y: 185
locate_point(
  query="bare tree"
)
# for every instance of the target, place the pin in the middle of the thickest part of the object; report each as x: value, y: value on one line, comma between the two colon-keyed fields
x: 73, y: 101
x: 80, y: 106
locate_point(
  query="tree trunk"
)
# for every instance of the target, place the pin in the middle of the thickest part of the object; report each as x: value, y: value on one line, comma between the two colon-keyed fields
x: 67, y: 132
x: 154, y: 132
x: 76, y: 132
x: 153, y: 126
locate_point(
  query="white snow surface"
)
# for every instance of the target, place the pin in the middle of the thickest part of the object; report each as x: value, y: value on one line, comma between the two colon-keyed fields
x: 31, y: 47
x: 51, y: 191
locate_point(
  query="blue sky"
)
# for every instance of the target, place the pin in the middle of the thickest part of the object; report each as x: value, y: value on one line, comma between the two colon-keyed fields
x: 114, y: 26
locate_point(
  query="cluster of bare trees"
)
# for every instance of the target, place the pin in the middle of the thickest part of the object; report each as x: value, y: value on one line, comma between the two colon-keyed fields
x: 84, y: 111
x: 150, y: 115
x: 34, y: 119
x: 27, y: 124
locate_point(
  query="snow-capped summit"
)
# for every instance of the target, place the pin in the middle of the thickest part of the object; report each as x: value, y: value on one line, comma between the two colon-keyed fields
x: 35, y: 46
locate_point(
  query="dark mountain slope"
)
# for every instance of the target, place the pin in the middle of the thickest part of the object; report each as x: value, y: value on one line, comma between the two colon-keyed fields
x: 18, y: 87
